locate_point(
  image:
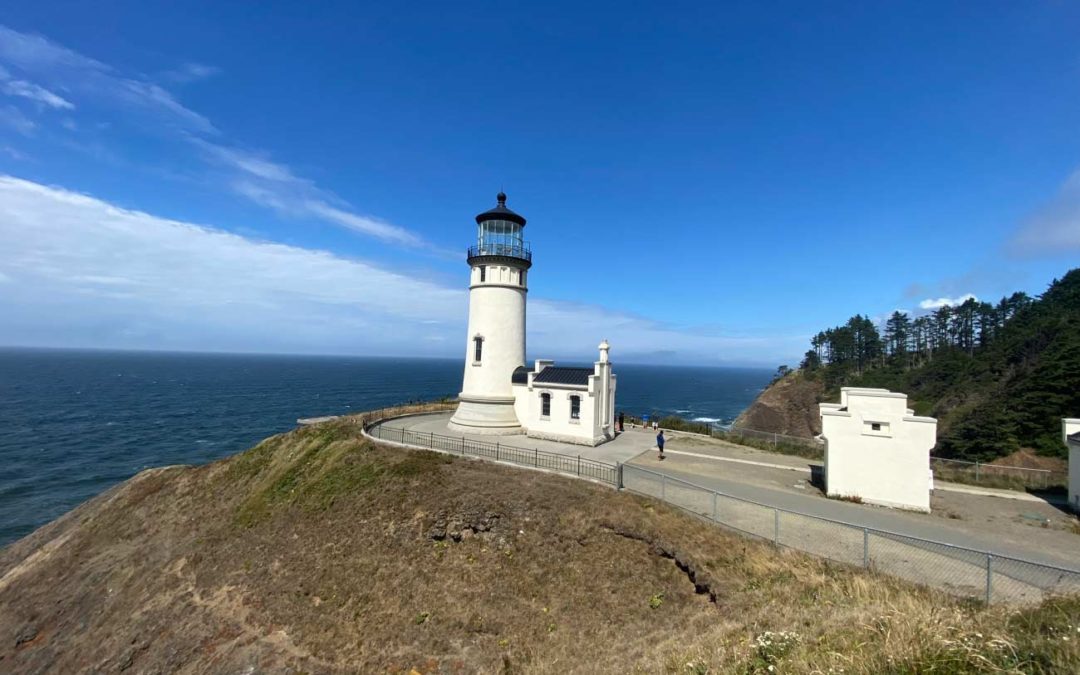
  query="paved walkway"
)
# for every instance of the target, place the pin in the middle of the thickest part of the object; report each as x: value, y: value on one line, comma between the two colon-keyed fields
x: 782, y: 481
x: 624, y: 448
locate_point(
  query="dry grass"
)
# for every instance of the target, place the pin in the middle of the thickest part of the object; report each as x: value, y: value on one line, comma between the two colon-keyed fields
x: 318, y: 551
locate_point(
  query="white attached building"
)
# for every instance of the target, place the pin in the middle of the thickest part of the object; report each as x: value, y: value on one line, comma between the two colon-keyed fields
x: 572, y: 405
x: 1070, y: 436
x: 877, y: 450
x: 499, y: 395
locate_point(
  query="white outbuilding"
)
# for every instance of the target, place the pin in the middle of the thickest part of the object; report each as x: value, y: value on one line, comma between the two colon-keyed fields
x: 499, y: 394
x: 877, y: 450
x: 1070, y: 436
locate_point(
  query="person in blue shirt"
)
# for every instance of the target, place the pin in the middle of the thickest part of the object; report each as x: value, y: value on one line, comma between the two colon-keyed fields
x: 660, y: 442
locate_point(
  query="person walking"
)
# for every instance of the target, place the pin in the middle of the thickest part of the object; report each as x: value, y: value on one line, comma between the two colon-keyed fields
x: 660, y: 443
x: 621, y: 420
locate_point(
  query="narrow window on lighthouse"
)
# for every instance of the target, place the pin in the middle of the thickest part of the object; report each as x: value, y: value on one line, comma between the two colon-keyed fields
x: 483, y: 276
x: 575, y: 407
x: 478, y: 348
x: 545, y: 405
x: 521, y: 277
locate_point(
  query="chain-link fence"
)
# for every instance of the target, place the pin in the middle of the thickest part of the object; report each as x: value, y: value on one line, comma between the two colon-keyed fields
x: 735, y: 433
x: 994, y: 475
x: 573, y: 465
x: 956, y: 569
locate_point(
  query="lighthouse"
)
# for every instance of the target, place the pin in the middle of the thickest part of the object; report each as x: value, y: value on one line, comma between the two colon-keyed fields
x: 495, y: 341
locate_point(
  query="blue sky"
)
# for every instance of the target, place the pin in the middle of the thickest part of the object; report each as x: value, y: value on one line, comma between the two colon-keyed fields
x: 704, y: 182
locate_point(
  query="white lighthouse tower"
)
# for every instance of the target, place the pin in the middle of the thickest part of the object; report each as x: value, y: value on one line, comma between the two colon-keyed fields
x: 495, y: 344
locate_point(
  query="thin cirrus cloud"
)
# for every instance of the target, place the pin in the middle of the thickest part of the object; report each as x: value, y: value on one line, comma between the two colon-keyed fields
x: 249, y: 174
x: 80, y: 271
x: 1055, y: 228
x: 274, y: 186
x: 32, y: 92
x: 191, y: 72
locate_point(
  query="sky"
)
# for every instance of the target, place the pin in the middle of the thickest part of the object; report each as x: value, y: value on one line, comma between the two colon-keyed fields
x: 704, y: 183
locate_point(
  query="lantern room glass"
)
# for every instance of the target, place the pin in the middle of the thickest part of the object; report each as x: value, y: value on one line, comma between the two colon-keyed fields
x: 500, y: 237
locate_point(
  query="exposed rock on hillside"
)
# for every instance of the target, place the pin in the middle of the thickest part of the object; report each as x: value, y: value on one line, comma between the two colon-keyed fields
x: 789, y: 406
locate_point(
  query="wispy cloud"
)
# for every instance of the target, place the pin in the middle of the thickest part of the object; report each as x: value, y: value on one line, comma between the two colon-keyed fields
x: 33, y: 92
x: 249, y: 173
x: 191, y: 72
x: 1055, y: 228
x: 82, y: 271
x: 937, y: 303
x: 274, y: 186
x: 38, y: 57
x: 13, y: 118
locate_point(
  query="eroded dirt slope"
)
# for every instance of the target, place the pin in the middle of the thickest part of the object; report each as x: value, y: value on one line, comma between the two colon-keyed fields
x: 788, y: 406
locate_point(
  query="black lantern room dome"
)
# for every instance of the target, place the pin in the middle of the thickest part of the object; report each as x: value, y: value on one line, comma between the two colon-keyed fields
x: 500, y: 212
x: 499, y: 239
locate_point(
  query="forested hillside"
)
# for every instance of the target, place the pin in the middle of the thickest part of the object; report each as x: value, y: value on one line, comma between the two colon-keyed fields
x: 998, y: 377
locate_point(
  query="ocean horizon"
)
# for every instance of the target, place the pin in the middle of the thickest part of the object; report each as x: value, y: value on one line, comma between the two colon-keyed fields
x: 77, y: 421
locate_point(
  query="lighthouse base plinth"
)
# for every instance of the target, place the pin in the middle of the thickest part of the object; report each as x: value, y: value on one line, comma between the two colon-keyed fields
x: 491, y: 415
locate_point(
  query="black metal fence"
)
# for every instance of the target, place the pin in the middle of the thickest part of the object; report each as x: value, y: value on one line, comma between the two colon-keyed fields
x: 573, y: 465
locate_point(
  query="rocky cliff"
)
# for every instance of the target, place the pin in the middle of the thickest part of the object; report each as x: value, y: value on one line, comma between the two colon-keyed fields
x: 787, y: 406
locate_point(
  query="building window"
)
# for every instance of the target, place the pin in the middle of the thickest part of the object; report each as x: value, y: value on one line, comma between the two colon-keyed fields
x: 521, y: 278
x: 478, y: 348
x: 545, y: 405
x: 575, y: 407
x: 876, y: 429
x: 483, y: 277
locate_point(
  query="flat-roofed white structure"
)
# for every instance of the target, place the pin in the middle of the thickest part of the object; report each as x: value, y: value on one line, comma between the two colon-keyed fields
x: 571, y: 405
x: 877, y: 449
x: 1070, y: 436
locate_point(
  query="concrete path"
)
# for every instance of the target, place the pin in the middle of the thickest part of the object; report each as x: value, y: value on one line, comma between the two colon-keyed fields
x: 621, y: 450
x: 781, y: 481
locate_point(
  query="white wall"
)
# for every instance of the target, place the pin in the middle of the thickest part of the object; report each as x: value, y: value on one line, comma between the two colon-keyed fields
x: 558, y: 425
x: 889, y: 465
x: 592, y: 426
x: 1070, y: 426
x: 496, y: 314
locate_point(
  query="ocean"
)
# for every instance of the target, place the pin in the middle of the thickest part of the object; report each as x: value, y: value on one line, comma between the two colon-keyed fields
x: 73, y: 423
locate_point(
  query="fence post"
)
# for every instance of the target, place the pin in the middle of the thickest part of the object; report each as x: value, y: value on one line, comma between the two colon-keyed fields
x: 431, y: 441
x: 496, y: 451
x: 776, y: 528
x: 866, y: 548
x: 989, y: 578
x: 536, y: 457
x: 463, y: 445
x: 976, y: 470
x: 579, y: 465
x: 663, y: 487
x: 714, y: 506
x: 618, y: 476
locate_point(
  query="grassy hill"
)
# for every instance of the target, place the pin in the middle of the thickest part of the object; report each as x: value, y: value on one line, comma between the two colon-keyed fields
x: 318, y: 551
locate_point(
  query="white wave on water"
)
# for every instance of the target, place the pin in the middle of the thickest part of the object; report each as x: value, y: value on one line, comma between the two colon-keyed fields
x: 710, y: 420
